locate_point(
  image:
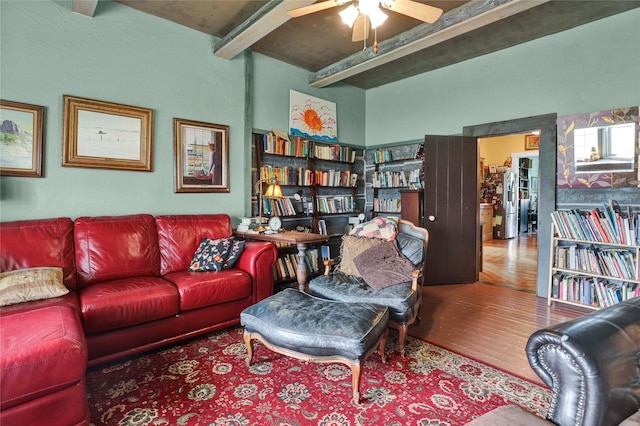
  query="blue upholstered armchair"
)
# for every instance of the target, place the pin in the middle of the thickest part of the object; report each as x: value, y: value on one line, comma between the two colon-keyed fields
x: 402, y: 298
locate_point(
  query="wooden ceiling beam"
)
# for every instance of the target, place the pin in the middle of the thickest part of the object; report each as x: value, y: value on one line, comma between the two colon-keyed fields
x: 466, y: 18
x: 258, y: 25
x: 84, y: 7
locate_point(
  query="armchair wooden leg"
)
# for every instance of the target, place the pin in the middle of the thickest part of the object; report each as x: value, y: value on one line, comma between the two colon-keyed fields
x: 402, y: 337
x: 382, y: 347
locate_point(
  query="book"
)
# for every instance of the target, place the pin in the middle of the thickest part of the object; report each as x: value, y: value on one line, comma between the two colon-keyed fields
x: 322, y: 227
x: 326, y: 252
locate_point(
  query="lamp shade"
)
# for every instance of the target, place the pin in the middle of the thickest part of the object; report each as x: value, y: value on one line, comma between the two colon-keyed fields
x: 273, y: 191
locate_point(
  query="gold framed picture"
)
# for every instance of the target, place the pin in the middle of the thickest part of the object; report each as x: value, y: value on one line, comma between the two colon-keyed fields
x: 531, y: 142
x: 21, y: 139
x: 105, y: 135
x: 201, y: 156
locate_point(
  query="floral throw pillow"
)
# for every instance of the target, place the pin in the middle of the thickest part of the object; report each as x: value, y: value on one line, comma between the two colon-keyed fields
x: 234, y: 253
x: 210, y: 255
x: 385, y: 228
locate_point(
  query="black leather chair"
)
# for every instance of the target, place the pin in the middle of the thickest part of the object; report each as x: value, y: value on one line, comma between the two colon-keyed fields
x: 592, y: 365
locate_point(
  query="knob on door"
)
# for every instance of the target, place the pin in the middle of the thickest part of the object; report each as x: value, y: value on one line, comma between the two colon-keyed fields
x: 431, y: 218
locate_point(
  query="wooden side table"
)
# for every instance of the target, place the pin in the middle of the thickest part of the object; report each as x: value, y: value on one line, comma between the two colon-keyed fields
x: 302, y: 241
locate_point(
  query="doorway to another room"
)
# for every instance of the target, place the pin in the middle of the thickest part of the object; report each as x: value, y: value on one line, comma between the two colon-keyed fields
x: 509, y: 210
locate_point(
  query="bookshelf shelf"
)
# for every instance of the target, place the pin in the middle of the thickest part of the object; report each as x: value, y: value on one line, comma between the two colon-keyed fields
x: 593, y: 270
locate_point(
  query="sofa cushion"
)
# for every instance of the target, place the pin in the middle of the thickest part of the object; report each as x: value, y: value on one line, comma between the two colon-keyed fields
x: 122, y: 303
x: 70, y: 300
x: 180, y: 235
x: 383, y: 266
x: 115, y: 247
x: 43, y: 242
x: 43, y: 351
x: 351, y: 247
x: 346, y: 288
x: 200, y: 289
x: 25, y: 285
x: 385, y: 228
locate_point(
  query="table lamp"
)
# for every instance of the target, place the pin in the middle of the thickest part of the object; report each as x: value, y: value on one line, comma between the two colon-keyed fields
x: 273, y: 191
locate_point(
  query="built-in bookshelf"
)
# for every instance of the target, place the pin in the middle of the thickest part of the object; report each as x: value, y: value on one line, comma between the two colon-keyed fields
x: 595, y: 256
x: 394, y: 169
x: 317, y: 178
x: 322, y: 185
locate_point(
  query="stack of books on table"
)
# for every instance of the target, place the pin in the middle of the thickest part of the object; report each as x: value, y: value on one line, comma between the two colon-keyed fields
x: 245, y: 223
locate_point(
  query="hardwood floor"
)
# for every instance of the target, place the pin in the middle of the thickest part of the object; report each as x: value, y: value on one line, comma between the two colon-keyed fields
x: 492, y: 322
x: 511, y: 263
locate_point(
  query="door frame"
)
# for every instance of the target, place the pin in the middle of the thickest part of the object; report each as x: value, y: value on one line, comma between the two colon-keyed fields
x: 546, y: 179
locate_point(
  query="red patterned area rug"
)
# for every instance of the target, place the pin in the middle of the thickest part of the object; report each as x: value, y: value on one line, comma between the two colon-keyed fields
x: 207, y: 382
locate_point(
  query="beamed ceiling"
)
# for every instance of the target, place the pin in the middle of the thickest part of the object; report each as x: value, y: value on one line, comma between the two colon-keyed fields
x: 321, y: 42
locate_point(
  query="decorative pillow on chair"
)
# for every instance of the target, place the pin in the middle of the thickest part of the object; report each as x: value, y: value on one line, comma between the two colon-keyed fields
x: 383, y: 266
x: 351, y: 247
x: 25, y: 285
x: 210, y: 255
x: 233, y: 254
x: 385, y: 228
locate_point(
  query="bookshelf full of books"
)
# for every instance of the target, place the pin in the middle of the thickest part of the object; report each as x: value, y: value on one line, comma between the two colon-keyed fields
x: 391, y: 175
x: 322, y: 185
x: 595, y: 256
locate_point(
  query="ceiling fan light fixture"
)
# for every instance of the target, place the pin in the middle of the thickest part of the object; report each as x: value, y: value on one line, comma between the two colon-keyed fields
x: 368, y: 6
x: 349, y: 15
x: 377, y: 17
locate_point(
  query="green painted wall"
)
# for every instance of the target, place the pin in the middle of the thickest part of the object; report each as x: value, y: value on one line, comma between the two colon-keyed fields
x: 271, y: 94
x: 589, y: 68
x: 125, y: 56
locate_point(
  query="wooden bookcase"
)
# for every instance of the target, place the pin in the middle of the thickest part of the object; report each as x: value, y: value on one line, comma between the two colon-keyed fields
x: 591, y: 273
x: 396, y: 177
x: 329, y: 180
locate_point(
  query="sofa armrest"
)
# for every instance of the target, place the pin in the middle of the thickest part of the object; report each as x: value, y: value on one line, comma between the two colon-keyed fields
x: 257, y: 260
x: 591, y: 366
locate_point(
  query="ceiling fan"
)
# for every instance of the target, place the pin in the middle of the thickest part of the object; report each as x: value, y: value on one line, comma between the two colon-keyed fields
x: 364, y: 14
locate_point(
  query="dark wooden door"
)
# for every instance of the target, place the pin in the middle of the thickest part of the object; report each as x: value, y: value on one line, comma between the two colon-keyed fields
x: 451, y: 209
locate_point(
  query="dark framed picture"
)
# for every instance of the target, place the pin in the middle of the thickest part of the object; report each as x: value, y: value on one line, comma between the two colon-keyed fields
x: 531, y: 142
x: 105, y: 135
x: 21, y: 139
x: 201, y: 156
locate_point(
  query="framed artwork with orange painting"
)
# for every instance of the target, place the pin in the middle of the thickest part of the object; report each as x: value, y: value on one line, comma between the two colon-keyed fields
x: 312, y: 117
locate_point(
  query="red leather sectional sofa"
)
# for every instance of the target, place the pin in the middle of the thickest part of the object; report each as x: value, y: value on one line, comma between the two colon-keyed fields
x: 130, y: 292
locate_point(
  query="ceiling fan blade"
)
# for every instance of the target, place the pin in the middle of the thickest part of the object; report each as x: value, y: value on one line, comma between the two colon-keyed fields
x: 415, y: 10
x: 316, y: 7
x: 361, y: 28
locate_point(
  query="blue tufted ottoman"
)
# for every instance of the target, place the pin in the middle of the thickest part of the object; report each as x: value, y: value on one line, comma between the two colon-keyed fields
x: 305, y: 327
